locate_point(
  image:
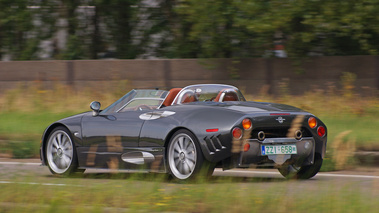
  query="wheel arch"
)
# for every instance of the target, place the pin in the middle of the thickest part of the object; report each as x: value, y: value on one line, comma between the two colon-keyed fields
x: 45, y: 138
x: 171, y: 133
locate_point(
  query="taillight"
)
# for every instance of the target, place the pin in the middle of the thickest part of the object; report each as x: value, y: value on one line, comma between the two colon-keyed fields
x: 237, y: 133
x: 312, y: 122
x: 246, y: 124
x: 246, y: 147
x: 321, y: 131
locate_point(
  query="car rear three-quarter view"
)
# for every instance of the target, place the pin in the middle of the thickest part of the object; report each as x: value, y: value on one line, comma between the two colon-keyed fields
x: 292, y: 141
x: 187, y: 132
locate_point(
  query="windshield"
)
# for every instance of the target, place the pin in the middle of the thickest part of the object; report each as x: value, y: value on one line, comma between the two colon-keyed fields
x: 208, y: 92
x: 149, y: 98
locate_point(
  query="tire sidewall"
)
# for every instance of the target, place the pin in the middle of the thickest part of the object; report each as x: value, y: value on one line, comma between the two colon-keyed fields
x: 305, y: 172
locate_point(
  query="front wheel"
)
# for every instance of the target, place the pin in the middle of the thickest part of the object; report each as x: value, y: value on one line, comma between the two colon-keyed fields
x: 60, y: 152
x: 304, y: 172
x: 184, y: 157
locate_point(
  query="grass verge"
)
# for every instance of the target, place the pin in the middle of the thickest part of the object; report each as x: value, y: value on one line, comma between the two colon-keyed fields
x: 154, y: 195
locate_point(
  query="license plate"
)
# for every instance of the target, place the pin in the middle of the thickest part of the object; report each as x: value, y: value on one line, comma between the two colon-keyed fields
x: 279, y: 149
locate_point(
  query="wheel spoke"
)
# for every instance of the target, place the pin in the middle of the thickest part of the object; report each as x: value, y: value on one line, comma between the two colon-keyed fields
x: 66, y: 159
x: 180, y: 168
x: 190, y: 165
x: 177, y: 162
x: 53, y: 151
x: 68, y: 154
x: 56, y: 161
x: 190, y: 151
x: 55, y: 143
x: 64, y: 141
x: 177, y: 149
x: 176, y: 155
x: 180, y: 143
x: 187, y: 144
x: 59, y: 139
x: 55, y: 157
x: 186, y: 168
x: 191, y: 158
x: 67, y: 147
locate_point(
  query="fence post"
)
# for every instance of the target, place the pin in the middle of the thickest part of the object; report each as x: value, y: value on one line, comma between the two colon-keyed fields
x: 269, y: 75
x: 70, y: 73
x: 167, y: 73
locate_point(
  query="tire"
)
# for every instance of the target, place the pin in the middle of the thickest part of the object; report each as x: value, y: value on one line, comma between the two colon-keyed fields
x: 61, y: 153
x: 184, y: 157
x: 304, y: 172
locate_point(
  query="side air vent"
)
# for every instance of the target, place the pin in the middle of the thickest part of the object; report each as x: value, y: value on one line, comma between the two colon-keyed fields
x: 213, y: 144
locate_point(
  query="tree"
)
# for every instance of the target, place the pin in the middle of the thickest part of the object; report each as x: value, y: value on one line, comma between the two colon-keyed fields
x: 322, y: 27
x: 16, y: 30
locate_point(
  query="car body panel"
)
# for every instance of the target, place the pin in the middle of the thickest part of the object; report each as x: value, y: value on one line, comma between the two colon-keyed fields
x: 137, y: 139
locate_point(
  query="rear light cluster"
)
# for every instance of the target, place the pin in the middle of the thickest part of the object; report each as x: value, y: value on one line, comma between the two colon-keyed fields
x: 312, y: 122
x: 321, y: 131
x: 238, y: 132
x: 246, y: 124
x: 246, y: 147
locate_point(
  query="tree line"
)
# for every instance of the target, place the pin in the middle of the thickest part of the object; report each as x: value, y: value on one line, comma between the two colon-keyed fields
x: 128, y: 29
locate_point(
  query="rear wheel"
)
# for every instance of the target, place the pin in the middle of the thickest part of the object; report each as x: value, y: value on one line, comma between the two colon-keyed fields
x: 184, y: 157
x: 304, y: 172
x: 60, y: 153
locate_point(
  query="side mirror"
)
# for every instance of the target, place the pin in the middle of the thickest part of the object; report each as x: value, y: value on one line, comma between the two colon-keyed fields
x: 95, y: 106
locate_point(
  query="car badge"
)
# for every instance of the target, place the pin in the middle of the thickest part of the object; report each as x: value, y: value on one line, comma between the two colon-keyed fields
x: 280, y: 120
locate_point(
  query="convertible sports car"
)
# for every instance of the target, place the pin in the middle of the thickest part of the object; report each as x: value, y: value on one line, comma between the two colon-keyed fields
x: 187, y: 132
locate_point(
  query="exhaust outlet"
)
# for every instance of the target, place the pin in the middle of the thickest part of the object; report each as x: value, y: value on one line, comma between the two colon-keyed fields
x: 298, y: 134
x: 261, y: 135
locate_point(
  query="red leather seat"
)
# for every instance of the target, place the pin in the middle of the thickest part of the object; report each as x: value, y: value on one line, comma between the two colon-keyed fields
x: 189, y: 98
x: 230, y: 96
x: 171, y: 96
x: 226, y: 95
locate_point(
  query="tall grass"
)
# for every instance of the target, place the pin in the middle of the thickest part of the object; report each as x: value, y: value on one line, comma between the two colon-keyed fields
x: 58, y: 97
x: 27, y: 110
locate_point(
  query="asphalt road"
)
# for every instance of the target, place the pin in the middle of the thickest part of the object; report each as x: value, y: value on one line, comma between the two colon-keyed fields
x: 10, y: 168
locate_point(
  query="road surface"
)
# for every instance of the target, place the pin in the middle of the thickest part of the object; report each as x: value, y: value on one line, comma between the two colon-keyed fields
x: 9, y: 168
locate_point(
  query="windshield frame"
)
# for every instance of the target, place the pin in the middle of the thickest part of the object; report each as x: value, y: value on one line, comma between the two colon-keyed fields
x: 148, y: 94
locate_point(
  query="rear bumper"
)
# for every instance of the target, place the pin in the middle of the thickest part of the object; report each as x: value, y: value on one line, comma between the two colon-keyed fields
x: 305, y: 152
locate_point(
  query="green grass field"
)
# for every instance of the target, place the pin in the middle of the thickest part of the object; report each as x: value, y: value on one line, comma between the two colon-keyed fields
x: 149, y: 193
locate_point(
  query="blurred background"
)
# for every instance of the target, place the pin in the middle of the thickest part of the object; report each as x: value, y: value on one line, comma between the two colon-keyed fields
x: 148, y: 29
x: 321, y: 56
x: 56, y: 56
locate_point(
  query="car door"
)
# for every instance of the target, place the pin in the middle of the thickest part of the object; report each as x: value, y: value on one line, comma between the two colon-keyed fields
x: 122, y: 127
x: 106, y: 136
